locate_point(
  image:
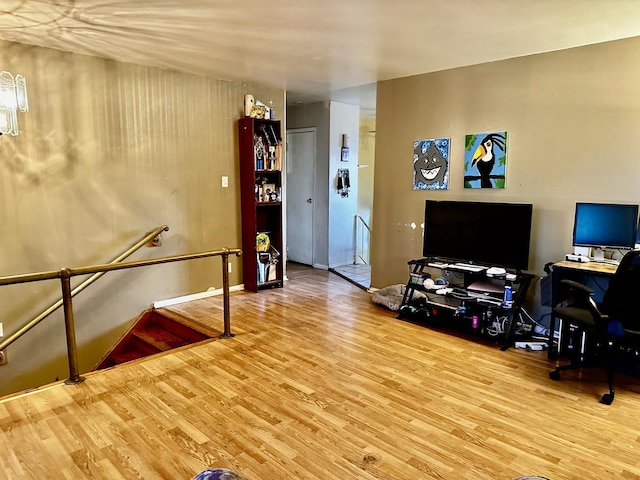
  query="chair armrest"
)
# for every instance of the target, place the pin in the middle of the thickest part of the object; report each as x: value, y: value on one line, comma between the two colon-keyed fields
x: 583, y: 299
x: 577, y: 287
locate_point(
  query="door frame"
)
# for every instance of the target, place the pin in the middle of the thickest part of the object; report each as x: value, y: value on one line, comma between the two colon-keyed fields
x: 313, y: 130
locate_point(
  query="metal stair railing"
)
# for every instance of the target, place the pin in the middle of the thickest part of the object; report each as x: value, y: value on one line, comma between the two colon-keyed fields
x: 97, y: 271
x: 362, y: 253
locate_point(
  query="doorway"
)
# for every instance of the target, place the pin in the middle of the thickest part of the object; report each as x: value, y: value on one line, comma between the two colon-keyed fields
x: 300, y: 177
x: 359, y: 272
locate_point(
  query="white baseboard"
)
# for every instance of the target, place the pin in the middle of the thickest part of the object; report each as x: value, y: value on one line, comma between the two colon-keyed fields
x: 320, y: 266
x: 195, y: 296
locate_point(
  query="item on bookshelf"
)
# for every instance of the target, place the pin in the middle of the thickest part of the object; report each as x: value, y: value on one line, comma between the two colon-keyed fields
x: 274, y: 146
x: 269, y: 192
x: 266, y: 268
x: 258, y: 110
x: 278, y: 150
x: 249, y: 102
x: 260, y: 152
x: 267, y: 258
x: 263, y: 242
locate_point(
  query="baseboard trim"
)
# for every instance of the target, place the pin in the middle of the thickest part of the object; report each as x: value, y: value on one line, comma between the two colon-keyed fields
x: 195, y: 296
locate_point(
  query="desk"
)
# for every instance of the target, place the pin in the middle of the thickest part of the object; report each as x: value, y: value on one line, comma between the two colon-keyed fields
x: 593, y: 274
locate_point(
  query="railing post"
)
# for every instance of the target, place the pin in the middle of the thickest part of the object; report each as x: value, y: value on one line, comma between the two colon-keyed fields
x: 69, y: 324
x: 225, y: 293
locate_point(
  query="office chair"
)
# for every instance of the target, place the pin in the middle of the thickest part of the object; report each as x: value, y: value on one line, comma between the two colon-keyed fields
x: 610, y: 329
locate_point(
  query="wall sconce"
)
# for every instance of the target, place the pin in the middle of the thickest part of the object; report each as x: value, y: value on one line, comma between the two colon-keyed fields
x: 13, y: 96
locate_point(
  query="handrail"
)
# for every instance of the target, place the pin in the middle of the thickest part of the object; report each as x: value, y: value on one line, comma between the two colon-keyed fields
x: 357, y: 253
x: 65, y: 275
x: 46, y: 276
x: 364, y: 223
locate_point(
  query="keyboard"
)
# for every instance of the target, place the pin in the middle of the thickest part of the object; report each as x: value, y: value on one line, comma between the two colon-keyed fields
x: 468, y: 267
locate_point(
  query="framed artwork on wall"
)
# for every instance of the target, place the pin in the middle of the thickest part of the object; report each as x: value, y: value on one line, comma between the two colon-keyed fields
x: 485, y: 160
x: 431, y: 164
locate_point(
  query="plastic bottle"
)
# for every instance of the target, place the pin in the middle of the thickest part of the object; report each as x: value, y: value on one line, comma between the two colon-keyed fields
x: 507, y: 301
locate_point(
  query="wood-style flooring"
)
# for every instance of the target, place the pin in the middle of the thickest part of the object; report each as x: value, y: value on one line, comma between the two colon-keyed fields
x: 319, y: 382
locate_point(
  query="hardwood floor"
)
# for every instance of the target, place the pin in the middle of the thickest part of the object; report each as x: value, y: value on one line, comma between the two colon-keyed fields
x: 319, y: 382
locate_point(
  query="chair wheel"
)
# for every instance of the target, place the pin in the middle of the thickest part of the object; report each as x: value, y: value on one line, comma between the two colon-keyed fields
x: 554, y: 375
x: 607, y: 398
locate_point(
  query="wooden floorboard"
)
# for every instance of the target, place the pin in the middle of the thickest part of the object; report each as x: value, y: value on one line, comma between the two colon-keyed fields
x: 319, y: 382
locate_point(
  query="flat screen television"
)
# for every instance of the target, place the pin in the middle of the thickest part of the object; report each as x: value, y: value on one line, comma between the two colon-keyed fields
x: 605, y: 225
x: 485, y: 233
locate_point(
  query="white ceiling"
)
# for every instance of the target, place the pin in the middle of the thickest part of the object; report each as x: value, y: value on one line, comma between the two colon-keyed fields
x: 317, y: 49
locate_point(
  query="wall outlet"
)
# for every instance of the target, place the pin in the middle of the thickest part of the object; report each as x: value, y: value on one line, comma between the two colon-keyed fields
x: 229, y: 267
x: 225, y: 181
x: 1, y: 330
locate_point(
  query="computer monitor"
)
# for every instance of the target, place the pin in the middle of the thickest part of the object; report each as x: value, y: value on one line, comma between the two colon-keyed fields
x: 605, y: 225
x: 485, y: 233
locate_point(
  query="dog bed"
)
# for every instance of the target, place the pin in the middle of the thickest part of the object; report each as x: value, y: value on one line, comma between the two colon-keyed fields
x: 391, y: 296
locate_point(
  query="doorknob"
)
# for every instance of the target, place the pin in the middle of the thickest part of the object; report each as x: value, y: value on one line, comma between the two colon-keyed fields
x: 308, y: 200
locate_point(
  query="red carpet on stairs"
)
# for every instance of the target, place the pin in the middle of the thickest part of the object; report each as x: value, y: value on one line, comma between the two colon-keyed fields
x: 155, y: 332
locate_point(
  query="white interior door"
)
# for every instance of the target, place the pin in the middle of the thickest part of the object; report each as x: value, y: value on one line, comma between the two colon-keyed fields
x: 301, y: 148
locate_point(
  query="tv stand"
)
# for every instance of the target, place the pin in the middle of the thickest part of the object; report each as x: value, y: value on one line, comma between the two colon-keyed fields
x: 476, y: 306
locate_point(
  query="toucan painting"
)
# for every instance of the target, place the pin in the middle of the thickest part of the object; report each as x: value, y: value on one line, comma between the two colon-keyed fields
x: 431, y: 164
x: 485, y: 160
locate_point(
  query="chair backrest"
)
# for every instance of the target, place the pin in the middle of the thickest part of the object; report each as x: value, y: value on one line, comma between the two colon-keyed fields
x: 621, y: 301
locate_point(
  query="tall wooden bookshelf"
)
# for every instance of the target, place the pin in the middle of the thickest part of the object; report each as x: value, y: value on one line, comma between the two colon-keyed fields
x: 261, y: 202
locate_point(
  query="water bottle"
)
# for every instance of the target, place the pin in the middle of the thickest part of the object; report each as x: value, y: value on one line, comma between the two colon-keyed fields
x: 507, y: 301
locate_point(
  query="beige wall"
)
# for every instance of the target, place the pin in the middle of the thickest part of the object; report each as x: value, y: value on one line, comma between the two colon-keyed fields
x: 572, y: 119
x: 107, y: 152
